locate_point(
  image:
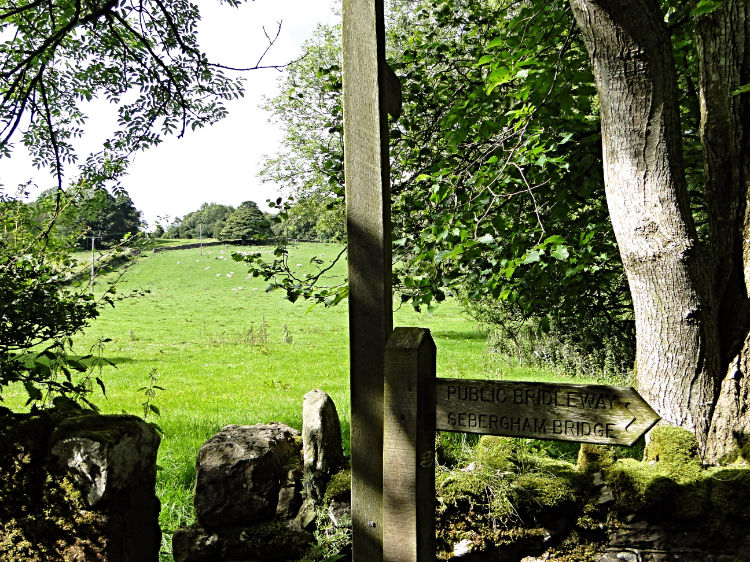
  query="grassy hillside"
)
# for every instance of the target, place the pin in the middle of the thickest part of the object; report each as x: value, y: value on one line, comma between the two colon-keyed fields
x: 227, y: 352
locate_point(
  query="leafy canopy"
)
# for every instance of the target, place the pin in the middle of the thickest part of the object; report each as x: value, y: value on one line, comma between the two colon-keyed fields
x: 496, y: 172
x: 142, y: 55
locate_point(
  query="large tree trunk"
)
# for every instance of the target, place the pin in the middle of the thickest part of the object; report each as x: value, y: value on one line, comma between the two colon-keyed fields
x: 723, y: 41
x: 678, y: 347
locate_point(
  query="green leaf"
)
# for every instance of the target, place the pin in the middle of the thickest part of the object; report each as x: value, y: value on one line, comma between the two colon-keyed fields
x: 707, y: 6
x: 33, y: 392
x: 532, y: 257
x: 43, y: 369
x: 157, y: 428
x: 561, y: 253
x: 80, y: 367
x: 554, y: 240
x: 456, y: 251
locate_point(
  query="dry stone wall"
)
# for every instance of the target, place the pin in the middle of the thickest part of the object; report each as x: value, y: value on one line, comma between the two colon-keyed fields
x: 254, y: 488
x: 511, y: 504
x: 77, y: 486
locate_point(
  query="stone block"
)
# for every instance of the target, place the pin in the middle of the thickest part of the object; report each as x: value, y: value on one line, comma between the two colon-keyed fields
x: 245, y: 474
x: 321, y: 440
x: 78, y: 487
x: 265, y: 541
x: 111, y: 462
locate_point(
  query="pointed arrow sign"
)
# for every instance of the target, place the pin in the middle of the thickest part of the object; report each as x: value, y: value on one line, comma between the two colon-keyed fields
x: 607, y: 415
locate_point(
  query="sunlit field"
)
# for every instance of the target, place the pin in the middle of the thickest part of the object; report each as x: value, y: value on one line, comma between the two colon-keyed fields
x: 227, y: 352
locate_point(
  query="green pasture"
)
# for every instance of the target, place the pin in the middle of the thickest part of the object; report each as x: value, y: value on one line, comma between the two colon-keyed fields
x: 227, y: 352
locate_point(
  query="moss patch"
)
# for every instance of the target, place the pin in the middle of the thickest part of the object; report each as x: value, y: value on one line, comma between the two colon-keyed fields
x: 512, y: 497
x: 669, y: 484
x: 594, y: 458
x: 339, y: 487
x: 672, y: 446
x: 508, y: 494
x: 266, y: 535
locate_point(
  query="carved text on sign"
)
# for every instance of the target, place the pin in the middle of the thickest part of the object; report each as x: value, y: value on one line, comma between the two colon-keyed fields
x: 614, y: 415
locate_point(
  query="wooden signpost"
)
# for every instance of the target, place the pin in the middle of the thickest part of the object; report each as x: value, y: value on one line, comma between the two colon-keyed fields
x: 397, y: 403
x: 417, y: 404
x: 584, y: 413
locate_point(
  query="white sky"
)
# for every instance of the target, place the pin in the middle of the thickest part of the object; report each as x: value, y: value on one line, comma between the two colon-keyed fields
x: 219, y: 163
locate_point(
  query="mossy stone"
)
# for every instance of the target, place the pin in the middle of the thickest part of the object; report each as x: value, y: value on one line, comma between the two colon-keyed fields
x: 495, y: 452
x: 539, y: 490
x: 672, y: 445
x: 594, y: 458
x: 339, y: 487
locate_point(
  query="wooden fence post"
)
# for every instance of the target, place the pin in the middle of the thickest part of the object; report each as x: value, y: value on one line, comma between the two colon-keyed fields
x: 408, y: 454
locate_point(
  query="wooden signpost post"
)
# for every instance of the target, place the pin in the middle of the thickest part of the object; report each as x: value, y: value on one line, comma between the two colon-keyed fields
x: 371, y: 93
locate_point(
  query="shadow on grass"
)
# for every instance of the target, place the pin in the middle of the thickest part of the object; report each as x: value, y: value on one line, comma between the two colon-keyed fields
x: 119, y: 360
x: 459, y: 336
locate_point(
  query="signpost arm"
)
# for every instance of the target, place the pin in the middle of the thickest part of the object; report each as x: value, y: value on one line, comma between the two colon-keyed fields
x: 408, y: 455
x: 366, y: 168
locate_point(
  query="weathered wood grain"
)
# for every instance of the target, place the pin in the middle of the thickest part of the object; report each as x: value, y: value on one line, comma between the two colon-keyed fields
x: 408, y: 455
x: 366, y: 169
x: 610, y: 415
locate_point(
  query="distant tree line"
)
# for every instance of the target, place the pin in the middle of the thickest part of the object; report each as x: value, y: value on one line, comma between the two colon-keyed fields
x: 91, y: 211
x: 222, y: 222
x: 309, y: 218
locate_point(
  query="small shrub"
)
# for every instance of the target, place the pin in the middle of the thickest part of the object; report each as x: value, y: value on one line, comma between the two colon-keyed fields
x: 149, y: 393
x: 276, y: 385
x: 262, y: 338
x: 591, y: 346
x: 259, y: 338
x: 604, y: 358
x: 331, y: 540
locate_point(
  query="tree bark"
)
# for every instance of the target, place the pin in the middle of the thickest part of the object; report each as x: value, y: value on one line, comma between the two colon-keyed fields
x: 723, y: 42
x: 677, y: 350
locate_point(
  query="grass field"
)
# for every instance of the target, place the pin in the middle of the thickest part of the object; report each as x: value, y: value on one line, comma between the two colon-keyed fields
x: 227, y: 352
